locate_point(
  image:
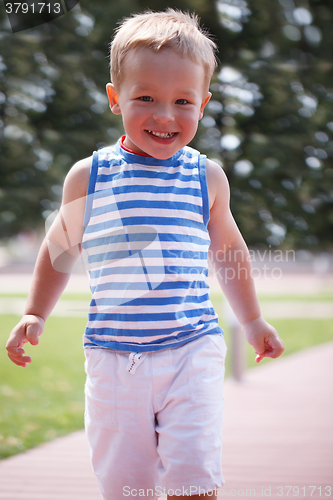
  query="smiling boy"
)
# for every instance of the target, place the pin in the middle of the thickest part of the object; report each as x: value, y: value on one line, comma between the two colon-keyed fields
x: 159, y: 119
x: 147, y: 211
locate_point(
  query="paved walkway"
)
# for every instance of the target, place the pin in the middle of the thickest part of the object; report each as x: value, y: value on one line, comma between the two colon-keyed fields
x: 278, y: 440
x: 285, y: 283
x: 299, y: 284
x: 270, y: 309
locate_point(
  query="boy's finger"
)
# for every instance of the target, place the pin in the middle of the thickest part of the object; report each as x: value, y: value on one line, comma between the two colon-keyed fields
x: 19, y: 359
x: 259, y: 357
x: 270, y: 352
x: 13, y: 350
x: 19, y: 363
x: 275, y: 353
x: 15, y: 354
x: 276, y: 348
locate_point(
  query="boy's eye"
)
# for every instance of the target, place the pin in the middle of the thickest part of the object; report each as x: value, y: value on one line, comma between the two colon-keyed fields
x: 145, y: 98
x: 181, y: 101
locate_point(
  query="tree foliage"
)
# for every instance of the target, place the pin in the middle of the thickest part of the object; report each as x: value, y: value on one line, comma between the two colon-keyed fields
x: 274, y: 97
x: 269, y: 123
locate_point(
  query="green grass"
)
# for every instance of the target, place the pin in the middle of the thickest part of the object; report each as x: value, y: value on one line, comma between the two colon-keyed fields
x: 46, y: 399
x: 296, y: 333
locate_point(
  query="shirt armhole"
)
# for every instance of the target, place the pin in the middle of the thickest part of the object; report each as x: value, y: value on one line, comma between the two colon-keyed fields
x: 91, y: 188
x: 204, y: 189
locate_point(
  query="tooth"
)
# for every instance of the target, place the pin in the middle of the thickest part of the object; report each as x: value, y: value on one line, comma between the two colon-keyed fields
x: 161, y: 135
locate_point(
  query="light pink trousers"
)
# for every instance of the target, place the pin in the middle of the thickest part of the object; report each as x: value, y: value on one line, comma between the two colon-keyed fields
x: 154, y: 420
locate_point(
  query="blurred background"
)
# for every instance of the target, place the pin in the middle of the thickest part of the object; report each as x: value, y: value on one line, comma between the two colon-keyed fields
x: 269, y: 125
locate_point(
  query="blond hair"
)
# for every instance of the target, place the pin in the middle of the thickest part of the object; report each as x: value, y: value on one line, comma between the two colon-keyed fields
x: 156, y: 30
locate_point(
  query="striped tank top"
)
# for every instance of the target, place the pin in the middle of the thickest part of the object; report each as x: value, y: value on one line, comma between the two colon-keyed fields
x: 146, y: 244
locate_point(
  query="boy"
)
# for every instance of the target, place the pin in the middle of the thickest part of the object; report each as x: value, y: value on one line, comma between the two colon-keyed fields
x: 146, y: 211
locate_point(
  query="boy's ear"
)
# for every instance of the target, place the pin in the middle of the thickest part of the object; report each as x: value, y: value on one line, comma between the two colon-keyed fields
x: 203, y: 104
x: 113, y: 99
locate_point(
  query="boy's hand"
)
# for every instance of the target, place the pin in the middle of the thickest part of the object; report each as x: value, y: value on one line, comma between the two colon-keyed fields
x: 263, y: 338
x: 27, y: 330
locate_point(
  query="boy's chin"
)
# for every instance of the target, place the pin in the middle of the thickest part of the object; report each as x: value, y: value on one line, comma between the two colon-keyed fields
x: 164, y: 153
x: 157, y: 148
x: 164, y: 156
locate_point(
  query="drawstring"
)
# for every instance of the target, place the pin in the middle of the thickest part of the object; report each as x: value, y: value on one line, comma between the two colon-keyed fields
x: 135, y: 359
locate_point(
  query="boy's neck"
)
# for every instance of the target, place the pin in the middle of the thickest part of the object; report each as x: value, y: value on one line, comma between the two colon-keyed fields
x: 130, y: 150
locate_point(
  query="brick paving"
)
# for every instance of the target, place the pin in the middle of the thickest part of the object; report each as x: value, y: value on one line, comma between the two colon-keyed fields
x: 58, y: 470
x: 278, y: 427
x: 278, y: 434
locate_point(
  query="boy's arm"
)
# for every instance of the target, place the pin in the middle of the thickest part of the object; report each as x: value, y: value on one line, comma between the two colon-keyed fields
x: 232, y: 264
x: 56, y: 257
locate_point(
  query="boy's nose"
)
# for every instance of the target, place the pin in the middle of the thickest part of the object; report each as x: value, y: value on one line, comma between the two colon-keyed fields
x: 163, y: 114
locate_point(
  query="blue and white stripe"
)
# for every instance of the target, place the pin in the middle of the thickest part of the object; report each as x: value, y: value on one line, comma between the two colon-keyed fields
x: 147, y: 243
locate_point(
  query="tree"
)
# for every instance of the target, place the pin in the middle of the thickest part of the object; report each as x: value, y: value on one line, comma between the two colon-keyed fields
x: 53, y: 106
x: 270, y: 122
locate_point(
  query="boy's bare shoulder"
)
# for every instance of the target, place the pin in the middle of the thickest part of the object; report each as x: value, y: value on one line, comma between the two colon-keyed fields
x: 217, y: 182
x: 77, y: 180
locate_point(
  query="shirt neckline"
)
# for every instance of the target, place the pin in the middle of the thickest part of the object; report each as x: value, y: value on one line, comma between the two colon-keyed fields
x: 139, y: 158
x: 122, y: 145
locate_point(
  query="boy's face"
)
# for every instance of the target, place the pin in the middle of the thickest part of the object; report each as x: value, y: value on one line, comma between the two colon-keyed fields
x: 161, y: 99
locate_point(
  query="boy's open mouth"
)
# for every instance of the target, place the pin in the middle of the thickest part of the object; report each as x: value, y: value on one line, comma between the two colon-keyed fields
x: 162, y: 135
